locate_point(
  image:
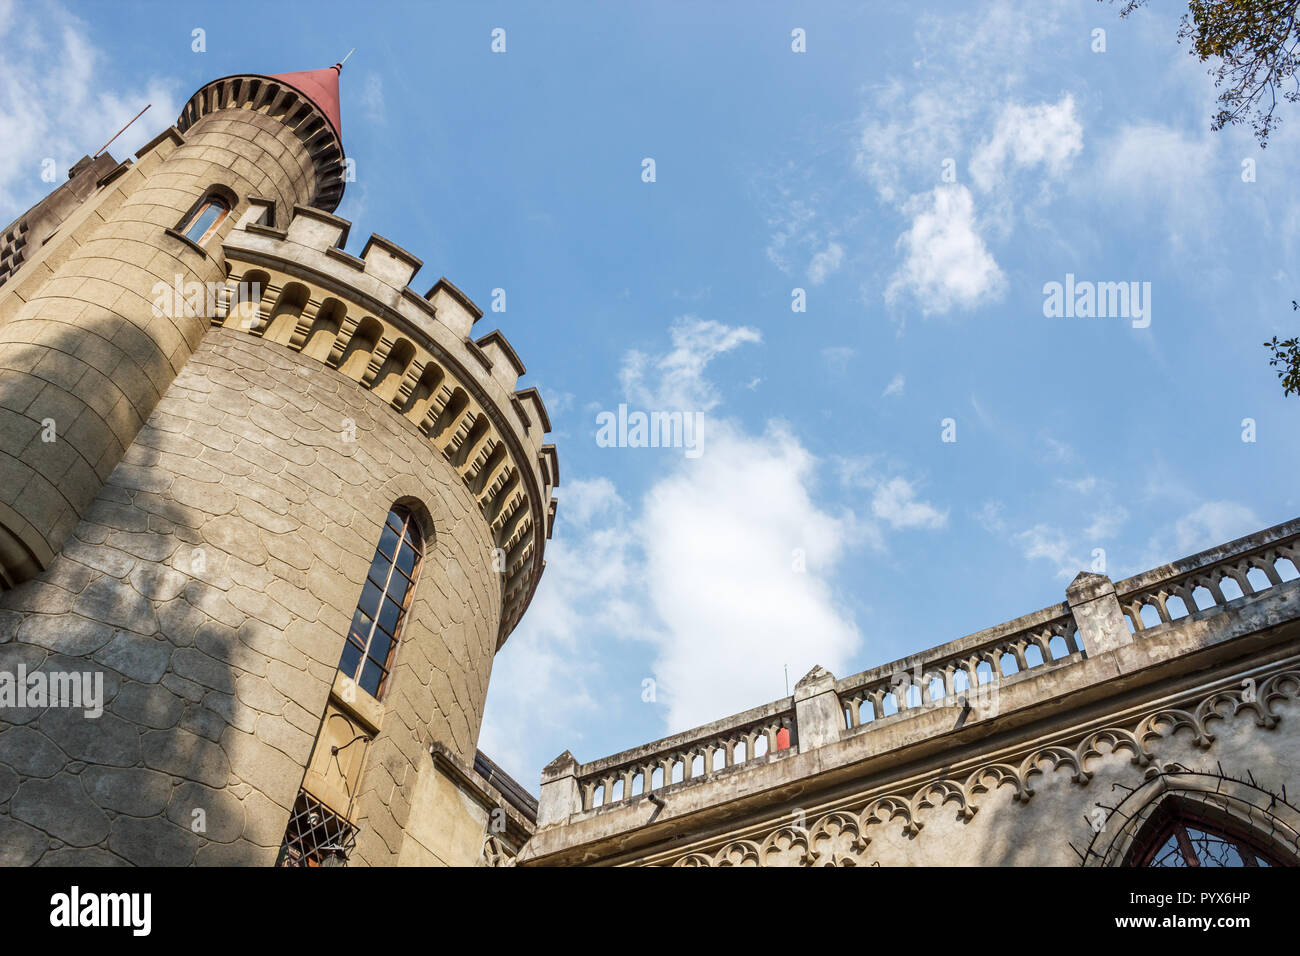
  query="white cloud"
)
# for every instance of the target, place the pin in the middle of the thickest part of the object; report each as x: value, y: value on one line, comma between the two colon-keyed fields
x: 679, y: 381
x: 990, y: 516
x: 1083, y: 486
x: 1058, y: 450
x: 1153, y: 168
x: 838, y: 356
x: 372, y: 100
x: 1211, y: 523
x: 825, y: 262
x: 964, y: 100
x: 1106, y: 522
x: 1047, y: 135
x: 725, y: 601
x: 58, y: 101
x: 1046, y: 543
x: 791, y: 223
x: 947, y: 264
x: 1207, y: 524
x: 907, y: 138
x: 734, y: 605
x: 894, y: 502
x: 551, y: 664
x: 895, y: 386
x: 1144, y: 160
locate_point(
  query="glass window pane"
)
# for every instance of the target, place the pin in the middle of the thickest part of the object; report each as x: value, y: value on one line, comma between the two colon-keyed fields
x: 1213, y: 850
x: 203, y: 221
x: 377, y: 621
x: 380, y: 645
x: 360, y: 629
x: 388, y: 541
x: 398, y: 586
x: 1170, y: 854
x: 406, y: 559
x: 371, y: 675
x: 389, y: 615
x: 370, y: 596
x: 351, y: 656
x: 378, y: 570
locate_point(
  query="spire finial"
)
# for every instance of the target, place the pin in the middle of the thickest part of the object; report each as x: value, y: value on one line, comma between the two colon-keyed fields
x: 345, y: 59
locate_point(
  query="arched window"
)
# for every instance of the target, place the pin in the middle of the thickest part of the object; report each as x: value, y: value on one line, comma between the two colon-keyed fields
x: 1176, y: 837
x: 385, y: 597
x: 205, y: 219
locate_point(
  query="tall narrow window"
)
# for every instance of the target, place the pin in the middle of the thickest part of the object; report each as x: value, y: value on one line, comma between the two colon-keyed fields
x: 385, y: 597
x: 203, y: 222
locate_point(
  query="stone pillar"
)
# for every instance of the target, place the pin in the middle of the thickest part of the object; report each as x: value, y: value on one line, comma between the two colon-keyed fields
x: 819, y: 718
x: 559, y: 797
x: 1097, y: 613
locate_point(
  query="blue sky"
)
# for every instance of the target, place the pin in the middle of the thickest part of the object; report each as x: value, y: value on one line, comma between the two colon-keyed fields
x: 776, y: 170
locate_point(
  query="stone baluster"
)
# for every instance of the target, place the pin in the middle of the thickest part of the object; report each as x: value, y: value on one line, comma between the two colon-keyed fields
x: 855, y: 710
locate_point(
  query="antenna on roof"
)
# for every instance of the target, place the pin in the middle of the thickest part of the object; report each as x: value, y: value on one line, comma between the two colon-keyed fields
x: 122, y: 130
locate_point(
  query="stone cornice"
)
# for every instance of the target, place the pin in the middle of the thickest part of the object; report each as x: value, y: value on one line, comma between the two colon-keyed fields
x: 1032, y: 706
x: 375, y: 287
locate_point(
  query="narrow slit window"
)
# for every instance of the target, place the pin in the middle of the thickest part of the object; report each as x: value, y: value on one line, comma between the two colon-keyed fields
x: 206, y: 219
x: 385, y: 597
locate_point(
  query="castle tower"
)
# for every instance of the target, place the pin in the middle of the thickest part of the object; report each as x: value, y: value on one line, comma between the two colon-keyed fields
x: 82, y: 350
x: 287, y: 511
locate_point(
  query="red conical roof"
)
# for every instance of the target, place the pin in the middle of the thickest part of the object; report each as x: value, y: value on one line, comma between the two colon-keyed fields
x: 322, y: 88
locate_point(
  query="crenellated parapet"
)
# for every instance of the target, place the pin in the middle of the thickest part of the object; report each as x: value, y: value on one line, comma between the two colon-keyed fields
x: 278, y: 99
x: 296, y: 287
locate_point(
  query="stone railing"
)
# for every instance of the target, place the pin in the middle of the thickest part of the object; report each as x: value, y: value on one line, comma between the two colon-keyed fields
x: 1097, y: 616
x: 1209, y: 582
x: 961, y: 668
x: 756, y: 736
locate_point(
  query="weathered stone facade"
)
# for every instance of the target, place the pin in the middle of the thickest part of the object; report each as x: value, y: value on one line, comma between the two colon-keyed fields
x: 83, y: 345
x: 192, y: 500
x: 201, y: 526
x: 1059, y: 738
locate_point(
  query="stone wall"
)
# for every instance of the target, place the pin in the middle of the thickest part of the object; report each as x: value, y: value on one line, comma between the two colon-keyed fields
x: 212, y: 581
x: 88, y: 351
x: 1010, y: 746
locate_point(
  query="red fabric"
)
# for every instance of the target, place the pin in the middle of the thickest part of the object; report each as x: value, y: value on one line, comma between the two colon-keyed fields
x: 322, y: 88
x: 782, y: 739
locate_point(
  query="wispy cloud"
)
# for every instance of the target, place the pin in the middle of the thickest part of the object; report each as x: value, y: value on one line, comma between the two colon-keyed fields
x: 676, y: 379
x: 59, y: 101
x: 827, y: 261
x: 371, y: 98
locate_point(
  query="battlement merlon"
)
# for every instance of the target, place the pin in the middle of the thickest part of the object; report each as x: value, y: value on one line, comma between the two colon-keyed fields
x: 416, y: 353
